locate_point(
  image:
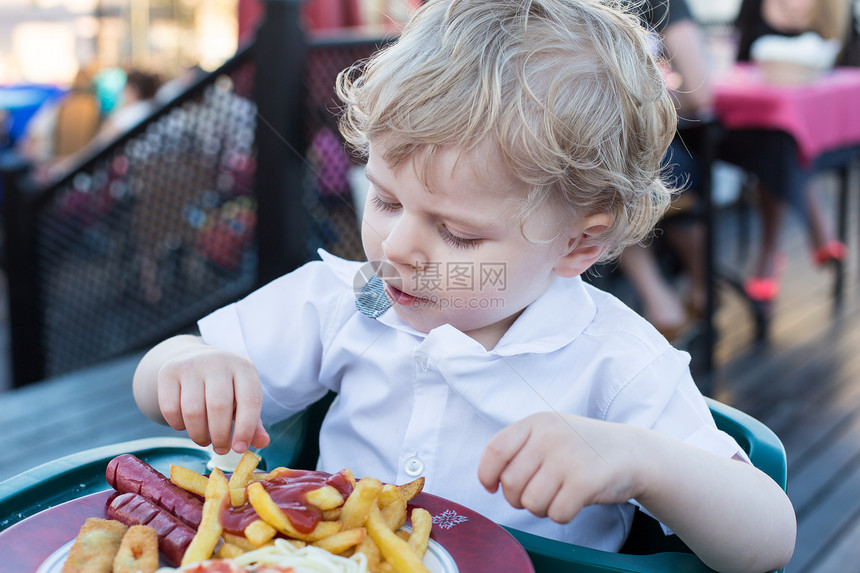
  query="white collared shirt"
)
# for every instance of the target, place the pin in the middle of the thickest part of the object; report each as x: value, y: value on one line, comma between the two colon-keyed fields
x: 415, y: 404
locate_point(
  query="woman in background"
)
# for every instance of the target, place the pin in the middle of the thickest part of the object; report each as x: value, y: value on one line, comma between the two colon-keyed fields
x: 772, y: 155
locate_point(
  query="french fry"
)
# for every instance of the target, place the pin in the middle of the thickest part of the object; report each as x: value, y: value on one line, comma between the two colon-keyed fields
x: 393, y: 507
x: 277, y: 472
x: 350, y: 477
x: 269, y: 512
x: 228, y: 551
x: 411, y: 489
x: 259, y: 532
x: 239, y: 541
x: 389, y: 494
x: 188, y: 480
x: 357, y: 505
x: 325, y: 497
x: 371, y: 552
x: 209, y: 531
x: 341, y: 541
x: 332, y: 514
x: 422, y: 523
x: 241, y: 476
x: 395, y: 550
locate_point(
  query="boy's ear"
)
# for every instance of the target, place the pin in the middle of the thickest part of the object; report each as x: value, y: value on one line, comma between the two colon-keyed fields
x: 582, y: 253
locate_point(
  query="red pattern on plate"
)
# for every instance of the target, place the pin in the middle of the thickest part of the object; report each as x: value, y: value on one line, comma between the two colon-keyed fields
x: 477, y: 544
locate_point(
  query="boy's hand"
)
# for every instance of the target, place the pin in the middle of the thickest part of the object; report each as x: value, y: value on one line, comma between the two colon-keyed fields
x: 556, y: 464
x: 203, y: 390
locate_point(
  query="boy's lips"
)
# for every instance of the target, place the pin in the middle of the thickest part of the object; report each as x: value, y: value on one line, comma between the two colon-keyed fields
x: 400, y: 297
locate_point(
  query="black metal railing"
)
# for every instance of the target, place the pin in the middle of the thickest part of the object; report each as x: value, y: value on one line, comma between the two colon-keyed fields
x: 232, y: 183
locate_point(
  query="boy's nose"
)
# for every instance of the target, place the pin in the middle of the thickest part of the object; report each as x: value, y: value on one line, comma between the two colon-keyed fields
x: 404, y: 244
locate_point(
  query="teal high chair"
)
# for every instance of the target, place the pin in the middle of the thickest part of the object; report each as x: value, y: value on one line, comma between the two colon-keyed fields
x: 647, y: 549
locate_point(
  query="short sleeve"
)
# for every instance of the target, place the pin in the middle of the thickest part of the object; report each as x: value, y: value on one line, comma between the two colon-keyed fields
x: 676, y: 408
x: 281, y: 328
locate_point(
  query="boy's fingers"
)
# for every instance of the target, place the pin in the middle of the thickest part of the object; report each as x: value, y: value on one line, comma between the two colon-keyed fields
x: 248, y: 406
x: 219, y: 411
x: 540, y: 491
x: 193, y: 403
x: 566, y: 504
x: 261, y: 436
x: 168, y: 403
x: 501, y: 449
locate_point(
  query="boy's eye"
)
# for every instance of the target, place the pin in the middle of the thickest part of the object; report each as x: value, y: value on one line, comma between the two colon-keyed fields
x: 459, y: 242
x: 384, y: 206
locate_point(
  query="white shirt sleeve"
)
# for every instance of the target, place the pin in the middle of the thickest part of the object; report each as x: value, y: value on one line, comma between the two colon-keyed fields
x: 282, y: 328
x: 674, y: 407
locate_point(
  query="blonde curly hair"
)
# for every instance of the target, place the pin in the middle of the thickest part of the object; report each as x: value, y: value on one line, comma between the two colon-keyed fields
x: 568, y: 91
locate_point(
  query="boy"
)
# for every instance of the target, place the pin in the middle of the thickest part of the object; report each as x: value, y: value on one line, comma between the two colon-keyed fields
x: 510, y: 145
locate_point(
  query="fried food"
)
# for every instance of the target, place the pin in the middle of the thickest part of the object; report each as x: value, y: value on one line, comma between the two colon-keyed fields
x: 188, y: 480
x: 422, y: 523
x: 241, y: 476
x: 138, y: 552
x: 253, y: 512
x: 95, y: 546
x: 395, y: 550
x: 357, y: 505
x: 269, y: 512
x: 209, y: 533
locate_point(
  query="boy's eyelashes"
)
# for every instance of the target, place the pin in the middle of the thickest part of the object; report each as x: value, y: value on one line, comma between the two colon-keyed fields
x: 447, y: 235
x: 459, y: 242
x: 384, y: 206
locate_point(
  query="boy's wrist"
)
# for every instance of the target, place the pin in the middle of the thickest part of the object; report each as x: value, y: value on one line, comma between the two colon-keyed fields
x: 649, y: 459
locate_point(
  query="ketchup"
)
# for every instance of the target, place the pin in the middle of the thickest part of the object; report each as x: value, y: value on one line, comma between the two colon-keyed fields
x: 289, y: 492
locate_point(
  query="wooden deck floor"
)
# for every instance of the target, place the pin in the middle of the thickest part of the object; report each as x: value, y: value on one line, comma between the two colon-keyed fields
x: 804, y: 383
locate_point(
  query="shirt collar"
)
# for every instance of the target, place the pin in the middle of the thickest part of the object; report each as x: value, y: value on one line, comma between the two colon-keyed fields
x: 552, y: 321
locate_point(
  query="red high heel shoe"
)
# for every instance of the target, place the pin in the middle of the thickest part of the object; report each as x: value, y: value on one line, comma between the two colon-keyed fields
x: 761, y: 289
x: 766, y: 289
x: 832, y: 251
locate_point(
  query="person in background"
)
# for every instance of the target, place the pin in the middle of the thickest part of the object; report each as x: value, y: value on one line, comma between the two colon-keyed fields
x: 63, y: 128
x: 172, y: 88
x: 771, y: 156
x: 680, y: 43
x: 509, y: 146
x: 136, y: 103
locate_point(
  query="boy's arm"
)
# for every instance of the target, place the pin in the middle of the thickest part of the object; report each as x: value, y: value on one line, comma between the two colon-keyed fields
x: 734, y: 517
x: 204, y: 390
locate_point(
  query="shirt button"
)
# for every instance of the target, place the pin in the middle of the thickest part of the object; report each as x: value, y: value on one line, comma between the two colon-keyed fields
x: 413, y: 466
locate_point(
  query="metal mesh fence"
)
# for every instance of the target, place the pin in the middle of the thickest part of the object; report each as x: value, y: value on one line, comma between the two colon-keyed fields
x: 332, y: 193
x: 159, y: 230
x: 156, y: 233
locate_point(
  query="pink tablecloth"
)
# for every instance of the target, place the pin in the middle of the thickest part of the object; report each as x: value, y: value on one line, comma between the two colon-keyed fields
x: 821, y: 116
